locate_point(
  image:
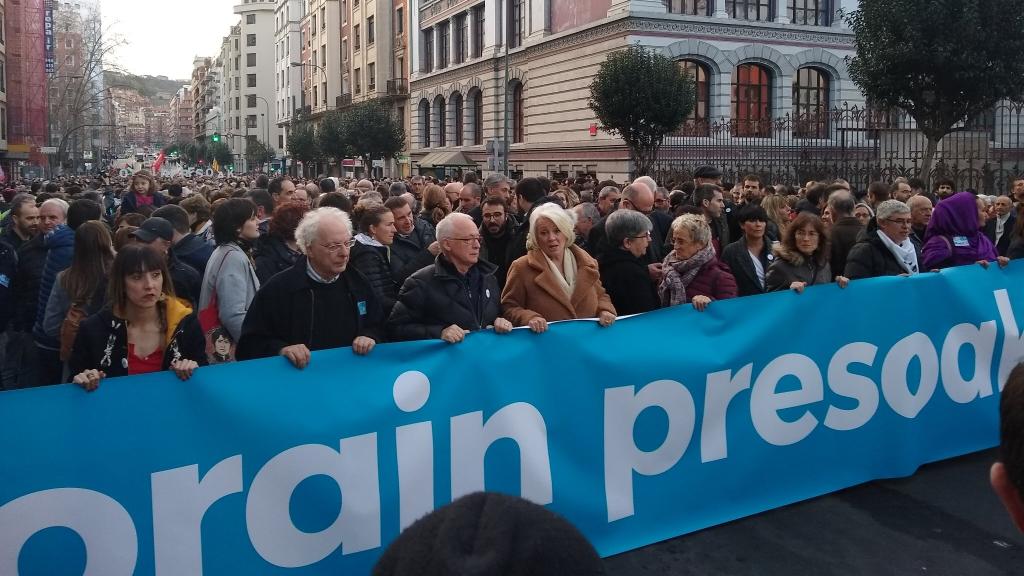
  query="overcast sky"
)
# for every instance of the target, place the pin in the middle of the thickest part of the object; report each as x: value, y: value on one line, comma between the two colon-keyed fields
x: 162, y: 38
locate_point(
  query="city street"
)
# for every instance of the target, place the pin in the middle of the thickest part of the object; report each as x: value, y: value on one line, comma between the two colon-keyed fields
x: 943, y: 521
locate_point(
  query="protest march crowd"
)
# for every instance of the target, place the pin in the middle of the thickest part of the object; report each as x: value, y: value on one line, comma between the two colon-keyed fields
x: 109, y: 277
x: 104, y: 277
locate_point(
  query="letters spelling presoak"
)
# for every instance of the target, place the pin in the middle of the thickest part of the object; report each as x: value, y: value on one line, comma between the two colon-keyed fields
x: 836, y: 391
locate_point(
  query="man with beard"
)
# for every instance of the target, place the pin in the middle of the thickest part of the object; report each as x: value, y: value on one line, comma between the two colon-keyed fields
x: 496, y: 233
x: 24, y: 221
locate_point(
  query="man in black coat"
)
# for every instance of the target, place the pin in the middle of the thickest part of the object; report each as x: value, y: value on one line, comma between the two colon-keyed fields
x: 1000, y: 229
x: 415, y: 245
x: 159, y: 233
x: 456, y: 295
x: 875, y: 256
x: 318, y: 303
x: 845, y: 230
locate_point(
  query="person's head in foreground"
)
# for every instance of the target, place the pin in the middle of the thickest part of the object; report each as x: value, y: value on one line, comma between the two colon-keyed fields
x: 490, y: 534
x: 1007, y: 475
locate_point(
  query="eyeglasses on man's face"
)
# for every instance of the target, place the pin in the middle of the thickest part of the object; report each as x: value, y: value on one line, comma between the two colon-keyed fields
x: 335, y: 248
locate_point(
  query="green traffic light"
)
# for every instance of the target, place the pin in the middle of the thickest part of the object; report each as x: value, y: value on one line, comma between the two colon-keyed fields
x: 215, y: 137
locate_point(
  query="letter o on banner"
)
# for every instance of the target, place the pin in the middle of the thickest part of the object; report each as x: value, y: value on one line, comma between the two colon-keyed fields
x: 125, y: 173
x: 895, y: 387
x: 106, y: 529
x: 209, y: 171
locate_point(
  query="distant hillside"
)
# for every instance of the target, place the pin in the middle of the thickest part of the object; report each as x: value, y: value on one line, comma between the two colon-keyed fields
x: 159, y: 89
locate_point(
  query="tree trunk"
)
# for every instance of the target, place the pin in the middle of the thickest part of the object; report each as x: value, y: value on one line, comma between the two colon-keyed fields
x: 929, y: 158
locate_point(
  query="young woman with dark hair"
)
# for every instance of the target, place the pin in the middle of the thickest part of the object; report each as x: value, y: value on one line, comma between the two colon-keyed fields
x: 142, y: 329
x: 230, y: 273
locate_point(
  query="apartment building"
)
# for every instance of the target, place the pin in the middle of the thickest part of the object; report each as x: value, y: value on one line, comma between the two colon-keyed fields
x: 288, y: 98
x: 257, y: 67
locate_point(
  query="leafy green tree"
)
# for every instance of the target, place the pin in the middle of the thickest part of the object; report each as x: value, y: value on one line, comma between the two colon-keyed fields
x: 220, y: 152
x: 373, y: 131
x: 941, y: 61
x: 331, y: 137
x: 258, y: 153
x: 302, y: 143
x: 641, y: 95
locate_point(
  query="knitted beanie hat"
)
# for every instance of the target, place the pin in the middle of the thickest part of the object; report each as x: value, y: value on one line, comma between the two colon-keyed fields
x: 490, y: 534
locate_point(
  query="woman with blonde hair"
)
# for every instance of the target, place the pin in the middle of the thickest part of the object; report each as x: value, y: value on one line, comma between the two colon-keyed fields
x: 556, y: 280
x: 778, y: 210
x: 435, y: 204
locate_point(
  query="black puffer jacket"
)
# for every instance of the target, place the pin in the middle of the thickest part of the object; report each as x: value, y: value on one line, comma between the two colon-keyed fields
x: 102, y: 341
x: 438, y: 296
x: 870, y: 258
x: 374, y: 263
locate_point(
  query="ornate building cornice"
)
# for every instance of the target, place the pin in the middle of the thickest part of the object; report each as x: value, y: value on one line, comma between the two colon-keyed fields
x: 735, y: 31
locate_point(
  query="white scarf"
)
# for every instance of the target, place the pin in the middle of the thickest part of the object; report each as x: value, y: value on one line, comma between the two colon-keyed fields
x: 905, y: 253
x: 368, y: 240
x: 1001, y: 225
x: 567, y: 275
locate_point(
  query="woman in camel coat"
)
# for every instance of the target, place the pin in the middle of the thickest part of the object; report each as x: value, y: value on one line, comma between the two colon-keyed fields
x: 556, y: 280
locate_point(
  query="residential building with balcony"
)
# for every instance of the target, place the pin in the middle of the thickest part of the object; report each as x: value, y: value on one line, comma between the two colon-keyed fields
x: 181, y: 126
x: 257, y: 65
x: 376, y: 62
x: 288, y: 98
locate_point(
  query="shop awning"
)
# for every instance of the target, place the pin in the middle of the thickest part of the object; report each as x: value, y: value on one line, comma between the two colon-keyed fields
x: 442, y: 159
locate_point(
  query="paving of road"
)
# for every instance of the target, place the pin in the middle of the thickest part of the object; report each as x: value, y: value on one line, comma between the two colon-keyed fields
x: 943, y: 521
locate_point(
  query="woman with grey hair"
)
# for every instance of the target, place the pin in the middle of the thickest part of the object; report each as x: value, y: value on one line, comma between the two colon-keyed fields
x: 692, y: 273
x: 556, y: 280
x: 624, y: 271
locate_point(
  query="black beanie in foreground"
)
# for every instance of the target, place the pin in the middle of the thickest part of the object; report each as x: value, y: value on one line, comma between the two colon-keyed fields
x: 490, y: 534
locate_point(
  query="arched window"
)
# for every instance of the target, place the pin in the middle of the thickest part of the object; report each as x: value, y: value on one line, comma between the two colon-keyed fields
x: 457, y: 110
x: 476, y: 100
x: 518, y: 121
x: 691, y: 7
x: 753, y: 10
x: 810, y: 12
x: 425, y: 123
x: 442, y: 125
x: 810, y: 104
x: 752, y: 101
x: 696, y: 124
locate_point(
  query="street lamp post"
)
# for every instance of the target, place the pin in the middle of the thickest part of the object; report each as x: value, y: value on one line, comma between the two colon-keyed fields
x: 322, y: 71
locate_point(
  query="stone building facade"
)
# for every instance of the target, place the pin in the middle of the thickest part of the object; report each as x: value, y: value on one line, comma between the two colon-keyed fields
x: 754, y: 61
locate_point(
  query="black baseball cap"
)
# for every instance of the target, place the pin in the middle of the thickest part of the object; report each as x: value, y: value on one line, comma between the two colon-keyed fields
x: 153, y: 228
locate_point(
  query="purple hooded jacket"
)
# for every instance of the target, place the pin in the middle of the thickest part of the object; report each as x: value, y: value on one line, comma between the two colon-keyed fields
x: 953, y: 237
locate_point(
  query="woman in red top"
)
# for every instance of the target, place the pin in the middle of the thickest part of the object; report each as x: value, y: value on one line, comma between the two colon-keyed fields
x: 143, y: 329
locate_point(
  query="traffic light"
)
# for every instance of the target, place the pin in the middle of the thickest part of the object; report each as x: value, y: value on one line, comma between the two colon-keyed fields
x: 215, y: 137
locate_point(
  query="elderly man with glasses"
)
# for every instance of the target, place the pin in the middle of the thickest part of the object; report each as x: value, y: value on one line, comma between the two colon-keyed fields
x: 316, y: 304
x: 456, y: 295
x: 888, y: 250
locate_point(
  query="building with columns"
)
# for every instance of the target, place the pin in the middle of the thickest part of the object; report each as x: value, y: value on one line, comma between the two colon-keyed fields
x: 753, y: 61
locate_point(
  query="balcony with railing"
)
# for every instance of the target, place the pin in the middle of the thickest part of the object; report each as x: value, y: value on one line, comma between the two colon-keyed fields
x: 398, y: 87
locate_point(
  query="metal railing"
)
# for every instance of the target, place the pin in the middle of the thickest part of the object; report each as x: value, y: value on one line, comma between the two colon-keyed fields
x: 398, y: 87
x: 858, y: 144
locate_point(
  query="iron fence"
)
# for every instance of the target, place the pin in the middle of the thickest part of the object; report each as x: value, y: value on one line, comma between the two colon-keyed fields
x: 858, y: 144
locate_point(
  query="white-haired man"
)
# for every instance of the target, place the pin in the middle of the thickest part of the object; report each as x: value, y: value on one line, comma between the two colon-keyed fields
x: 318, y: 303
x: 454, y: 296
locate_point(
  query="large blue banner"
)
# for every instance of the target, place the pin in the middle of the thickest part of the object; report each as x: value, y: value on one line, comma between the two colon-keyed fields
x: 661, y: 425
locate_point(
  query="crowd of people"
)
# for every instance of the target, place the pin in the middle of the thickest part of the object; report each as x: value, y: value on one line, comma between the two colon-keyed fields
x: 104, y: 277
